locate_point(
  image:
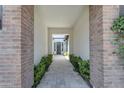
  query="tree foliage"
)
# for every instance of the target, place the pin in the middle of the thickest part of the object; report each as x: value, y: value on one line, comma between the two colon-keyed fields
x: 118, y: 29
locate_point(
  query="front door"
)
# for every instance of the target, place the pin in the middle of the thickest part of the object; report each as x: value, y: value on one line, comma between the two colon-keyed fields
x: 58, y: 48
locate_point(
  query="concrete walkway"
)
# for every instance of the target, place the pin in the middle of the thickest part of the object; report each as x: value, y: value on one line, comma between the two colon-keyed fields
x: 61, y: 75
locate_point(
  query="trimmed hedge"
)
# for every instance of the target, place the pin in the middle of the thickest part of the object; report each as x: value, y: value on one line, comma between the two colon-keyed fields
x: 84, y: 69
x: 41, y: 68
x: 81, y: 66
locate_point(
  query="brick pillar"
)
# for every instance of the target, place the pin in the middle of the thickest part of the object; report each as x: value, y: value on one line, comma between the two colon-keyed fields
x: 96, y: 45
x: 27, y: 45
x: 107, y: 68
x: 15, y: 52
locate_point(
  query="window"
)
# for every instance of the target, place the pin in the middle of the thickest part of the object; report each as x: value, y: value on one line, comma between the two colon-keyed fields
x: 121, y: 12
x: 1, y: 10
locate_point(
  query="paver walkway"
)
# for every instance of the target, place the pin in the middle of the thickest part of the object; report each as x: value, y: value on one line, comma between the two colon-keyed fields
x: 61, y: 75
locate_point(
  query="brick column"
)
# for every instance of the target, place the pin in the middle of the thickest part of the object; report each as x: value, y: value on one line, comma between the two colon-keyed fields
x: 96, y: 45
x: 27, y: 45
x: 107, y: 68
x: 111, y: 66
x: 15, y: 52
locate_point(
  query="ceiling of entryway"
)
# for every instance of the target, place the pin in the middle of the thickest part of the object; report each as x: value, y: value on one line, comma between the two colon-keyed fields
x: 61, y: 15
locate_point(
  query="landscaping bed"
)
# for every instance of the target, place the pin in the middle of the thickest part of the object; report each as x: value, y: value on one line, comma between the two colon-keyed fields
x: 41, y: 68
x: 81, y: 66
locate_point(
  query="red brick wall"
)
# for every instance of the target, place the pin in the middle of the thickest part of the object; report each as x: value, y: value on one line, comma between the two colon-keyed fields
x: 16, y: 47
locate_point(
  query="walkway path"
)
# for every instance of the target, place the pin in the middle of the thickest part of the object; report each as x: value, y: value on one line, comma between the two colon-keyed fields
x: 61, y: 75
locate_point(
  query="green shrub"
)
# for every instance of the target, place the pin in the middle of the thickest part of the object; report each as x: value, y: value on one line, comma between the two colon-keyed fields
x: 45, y: 60
x: 82, y: 66
x: 38, y: 73
x: 84, y: 69
x: 71, y: 57
x: 50, y: 58
x: 118, y: 29
x: 41, y: 68
x: 74, y: 60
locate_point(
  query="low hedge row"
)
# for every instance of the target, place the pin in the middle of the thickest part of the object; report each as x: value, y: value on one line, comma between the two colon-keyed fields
x: 81, y: 66
x: 41, y: 68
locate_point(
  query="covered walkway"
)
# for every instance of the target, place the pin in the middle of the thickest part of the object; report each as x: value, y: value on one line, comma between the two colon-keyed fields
x: 61, y: 75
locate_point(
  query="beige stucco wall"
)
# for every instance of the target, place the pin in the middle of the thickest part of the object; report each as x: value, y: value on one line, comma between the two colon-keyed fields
x: 81, y: 34
x: 40, y: 35
x: 59, y: 31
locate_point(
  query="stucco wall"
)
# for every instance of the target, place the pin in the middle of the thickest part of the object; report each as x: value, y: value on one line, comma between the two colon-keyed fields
x: 59, y: 31
x: 40, y: 35
x: 81, y: 34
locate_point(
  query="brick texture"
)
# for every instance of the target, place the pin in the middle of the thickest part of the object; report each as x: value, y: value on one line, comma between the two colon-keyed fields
x: 96, y: 45
x: 27, y: 45
x: 113, y: 66
x: 107, y: 68
x: 10, y: 47
x: 16, y: 47
x: 15, y: 53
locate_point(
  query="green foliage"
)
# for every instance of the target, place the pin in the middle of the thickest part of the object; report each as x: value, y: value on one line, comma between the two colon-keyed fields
x: 118, y: 25
x: 82, y: 66
x: 41, y: 68
x: 118, y: 29
x: 38, y: 73
x: 50, y: 58
x: 84, y: 69
x: 74, y: 60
